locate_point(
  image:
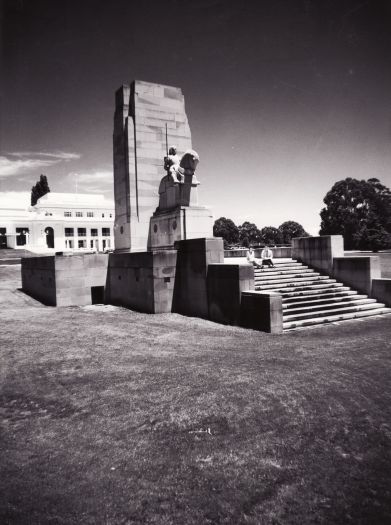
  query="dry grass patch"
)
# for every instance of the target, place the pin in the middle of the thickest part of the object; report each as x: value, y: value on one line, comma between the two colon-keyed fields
x: 111, y: 416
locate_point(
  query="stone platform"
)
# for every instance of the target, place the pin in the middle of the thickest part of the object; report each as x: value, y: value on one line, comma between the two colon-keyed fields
x: 181, y: 223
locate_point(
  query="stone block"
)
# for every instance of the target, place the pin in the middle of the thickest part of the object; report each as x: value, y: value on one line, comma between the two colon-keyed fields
x: 190, y: 289
x: 261, y: 311
x: 142, y: 281
x: 318, y: 252
x: 225, y: 284
x: 181, y: 223
x: 357, y: 272
x: 381, y: 290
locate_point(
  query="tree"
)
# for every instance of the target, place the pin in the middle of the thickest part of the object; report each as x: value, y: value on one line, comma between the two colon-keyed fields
x: 226, y: 229
x: 360, y: 211
x: 270, y: 235
x: 249, y: 234
x: 40, y: 189
x: 291, y: 229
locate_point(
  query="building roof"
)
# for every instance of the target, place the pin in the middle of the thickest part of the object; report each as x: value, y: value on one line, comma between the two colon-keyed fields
x: 75, y: 200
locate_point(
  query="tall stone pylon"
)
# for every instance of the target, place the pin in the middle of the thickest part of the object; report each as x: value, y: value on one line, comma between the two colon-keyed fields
x: 142, y: 112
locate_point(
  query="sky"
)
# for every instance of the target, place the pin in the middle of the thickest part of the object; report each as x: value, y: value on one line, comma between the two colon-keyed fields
x: 283, y: 97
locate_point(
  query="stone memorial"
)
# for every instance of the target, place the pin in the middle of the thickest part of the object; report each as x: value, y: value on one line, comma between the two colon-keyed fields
x: 178, y: 216
x: 145, y: 114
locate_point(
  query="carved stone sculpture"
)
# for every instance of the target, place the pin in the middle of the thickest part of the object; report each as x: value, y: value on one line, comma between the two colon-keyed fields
x: 177, y: 186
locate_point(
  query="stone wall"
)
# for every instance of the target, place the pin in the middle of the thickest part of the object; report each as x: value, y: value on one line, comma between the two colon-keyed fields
x: 142, y: 111
x: 226, y: 282
x: 318, y: 252
x: 64, y: 281
x: 143, y: 281
x: 76, y: 275
x: 262, y: 311
x: 357, y: 272
x: 381, y: 290
x: 194, y: 257
x: 39, y: 279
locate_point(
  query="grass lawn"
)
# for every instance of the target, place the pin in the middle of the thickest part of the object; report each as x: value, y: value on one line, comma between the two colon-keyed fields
x: 115, y: 417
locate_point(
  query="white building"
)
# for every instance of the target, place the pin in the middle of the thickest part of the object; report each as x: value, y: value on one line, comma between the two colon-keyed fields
x: 58, y: 222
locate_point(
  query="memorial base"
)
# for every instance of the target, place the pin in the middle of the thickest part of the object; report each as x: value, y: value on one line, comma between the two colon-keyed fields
x: 181, y: 223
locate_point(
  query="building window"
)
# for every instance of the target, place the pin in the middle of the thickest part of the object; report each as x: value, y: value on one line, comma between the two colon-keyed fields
x: 67, y: 214
x: 79, y: 214
x: 111, y: 215
x: 3, y: 237
x: 81, y: 243
x: 81, y: 232
x: 21, y: 236
x: 90, y: 214
x: 91, y: 243
x: 69, y: 232
x: 106, y: 232
x: 68, y: 243
x: 94, y: 232
x: 103, y: 215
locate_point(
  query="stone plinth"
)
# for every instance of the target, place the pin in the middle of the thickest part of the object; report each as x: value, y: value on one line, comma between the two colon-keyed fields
x: 143, y: 281
x: 226, y: 282
x: 318, y: 252
x: 142, y: 112
x: 181, y: 223
x: 194, y: 257
x: 381, y: 290
x: 262, y: 311
x: 357, y: 272
x: 76, y: 280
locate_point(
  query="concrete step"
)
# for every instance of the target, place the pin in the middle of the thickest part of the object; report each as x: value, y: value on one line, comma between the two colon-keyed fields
x: 282, y: 266
x: 299, y: 275
x: 321, y: 300
x: 291, y: 325
x: 290, y: 271
x: 304, y: 294
x: 341, y: 305
x: 298, y: 284
x: 297, y: 281
x: 325, y: 313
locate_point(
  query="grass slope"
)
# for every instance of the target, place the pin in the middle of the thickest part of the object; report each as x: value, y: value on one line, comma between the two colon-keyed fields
x: 111, y: 416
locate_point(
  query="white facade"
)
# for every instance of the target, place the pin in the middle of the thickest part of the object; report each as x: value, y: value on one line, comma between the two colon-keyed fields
x: 58, y: 222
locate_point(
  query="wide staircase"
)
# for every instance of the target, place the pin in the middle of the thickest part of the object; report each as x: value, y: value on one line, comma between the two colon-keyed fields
x: 309, y: 298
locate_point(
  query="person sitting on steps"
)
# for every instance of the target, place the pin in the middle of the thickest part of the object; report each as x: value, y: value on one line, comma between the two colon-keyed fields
x: 251, y: 258
x: 267, y: 257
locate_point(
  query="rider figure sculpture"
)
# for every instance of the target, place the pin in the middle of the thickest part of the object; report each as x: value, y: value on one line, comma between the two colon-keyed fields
x: 171, y: 164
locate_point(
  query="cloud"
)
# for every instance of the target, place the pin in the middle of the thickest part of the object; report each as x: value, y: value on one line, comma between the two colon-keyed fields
x: 55, y: 155
x: 20, y: 162
x: 98, y: 181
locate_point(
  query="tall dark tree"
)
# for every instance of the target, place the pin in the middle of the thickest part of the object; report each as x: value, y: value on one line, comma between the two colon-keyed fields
x: 291, y: 229
x: 40, y: 189
x: 226, y: 229
x: 249, y: 234
x: 270, y: 235
x: 357, y: 209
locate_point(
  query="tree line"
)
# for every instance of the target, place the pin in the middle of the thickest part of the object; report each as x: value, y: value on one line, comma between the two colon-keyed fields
x: 248, y: 233
x: 359, y: 210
